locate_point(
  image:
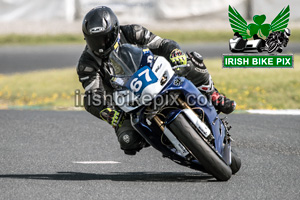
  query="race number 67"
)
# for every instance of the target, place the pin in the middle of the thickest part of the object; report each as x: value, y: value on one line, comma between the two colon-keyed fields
x: 136, y: 83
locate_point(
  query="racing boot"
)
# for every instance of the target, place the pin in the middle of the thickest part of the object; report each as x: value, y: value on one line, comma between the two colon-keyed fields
x: 220, y: 102
x: 200, y: 77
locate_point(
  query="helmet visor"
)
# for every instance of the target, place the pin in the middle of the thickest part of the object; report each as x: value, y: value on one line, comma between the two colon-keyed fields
x: 102, y: 44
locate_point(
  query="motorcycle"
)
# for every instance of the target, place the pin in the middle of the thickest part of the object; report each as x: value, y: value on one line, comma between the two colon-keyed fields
x: 170, y: 113
x: 238, y: 44
x: 276, y: 41
x: 274, y: 44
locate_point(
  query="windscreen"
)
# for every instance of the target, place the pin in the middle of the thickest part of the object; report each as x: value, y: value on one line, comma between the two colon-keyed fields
x: 126, y: 60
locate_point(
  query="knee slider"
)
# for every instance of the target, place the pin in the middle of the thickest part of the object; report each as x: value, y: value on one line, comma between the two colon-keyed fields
x: 130, y: 139
x: 198, y: 76
x: 196, y: 59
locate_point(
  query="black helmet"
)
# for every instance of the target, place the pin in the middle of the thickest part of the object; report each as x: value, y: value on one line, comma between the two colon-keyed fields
x: 287, y: 32
x: 100, y: 28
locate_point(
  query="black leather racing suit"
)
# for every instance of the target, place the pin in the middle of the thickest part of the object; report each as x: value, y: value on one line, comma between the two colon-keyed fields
x: 94, y: 74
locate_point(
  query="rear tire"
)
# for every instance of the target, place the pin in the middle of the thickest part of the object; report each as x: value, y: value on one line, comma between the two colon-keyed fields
x: 235, y: 162
x: 200, y: 149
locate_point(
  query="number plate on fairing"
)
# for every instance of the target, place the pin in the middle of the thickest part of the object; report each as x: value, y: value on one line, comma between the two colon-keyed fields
x: 141, y: 79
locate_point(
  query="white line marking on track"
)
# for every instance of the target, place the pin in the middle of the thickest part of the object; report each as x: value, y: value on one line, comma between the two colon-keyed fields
x: 275, y: 112
x: 95, y: 162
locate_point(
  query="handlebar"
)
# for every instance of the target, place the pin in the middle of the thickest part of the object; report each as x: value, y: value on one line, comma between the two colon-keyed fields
x: 180, y: 66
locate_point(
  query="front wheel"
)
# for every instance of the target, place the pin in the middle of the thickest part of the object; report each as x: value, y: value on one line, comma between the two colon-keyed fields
x: 272, y: 47
x: 204, y: 153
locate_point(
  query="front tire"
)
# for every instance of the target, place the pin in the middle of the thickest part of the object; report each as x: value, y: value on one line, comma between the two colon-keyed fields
x: 200, y: 149
x: 272, y: 47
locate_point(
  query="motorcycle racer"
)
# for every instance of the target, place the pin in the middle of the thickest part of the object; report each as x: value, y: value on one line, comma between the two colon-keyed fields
x: 103, y: 34
x: 278, y: 39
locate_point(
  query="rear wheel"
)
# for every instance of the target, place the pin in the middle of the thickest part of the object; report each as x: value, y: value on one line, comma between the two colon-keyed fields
x: 235, y: 162
x: 260, y: 47
x: 201, y: 150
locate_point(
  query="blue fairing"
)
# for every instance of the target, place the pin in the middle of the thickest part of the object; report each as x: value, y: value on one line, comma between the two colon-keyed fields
x: 195, y: 99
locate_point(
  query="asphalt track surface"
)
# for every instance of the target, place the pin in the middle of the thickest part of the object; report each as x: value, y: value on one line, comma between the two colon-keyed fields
x: 15, y: 59
x: 40, y: 151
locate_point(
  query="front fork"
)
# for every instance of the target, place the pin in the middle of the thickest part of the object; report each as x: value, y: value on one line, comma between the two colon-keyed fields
x: 160, y: 123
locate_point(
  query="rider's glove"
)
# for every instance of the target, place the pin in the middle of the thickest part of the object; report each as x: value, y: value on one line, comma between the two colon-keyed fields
x: 177, y: 57
x: 111, y: 116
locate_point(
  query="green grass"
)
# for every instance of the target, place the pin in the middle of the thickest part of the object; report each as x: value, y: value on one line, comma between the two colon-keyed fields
x: 49, y: 88
x: 179, y: 36
x: 250, y: 88
x: 196, y: 36
x: 16, y: 39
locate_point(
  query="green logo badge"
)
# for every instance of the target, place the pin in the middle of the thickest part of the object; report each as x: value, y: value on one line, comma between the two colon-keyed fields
x: 258, y: 37
x: 239, y: 24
